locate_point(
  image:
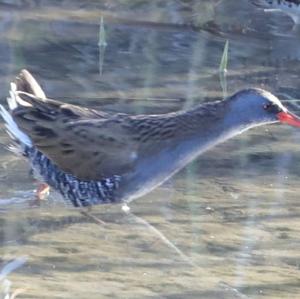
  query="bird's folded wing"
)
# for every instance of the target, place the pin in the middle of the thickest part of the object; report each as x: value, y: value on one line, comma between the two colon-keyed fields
x: 88, y: 144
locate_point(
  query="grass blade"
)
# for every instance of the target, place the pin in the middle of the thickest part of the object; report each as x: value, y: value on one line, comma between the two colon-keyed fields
x: 224, y: 59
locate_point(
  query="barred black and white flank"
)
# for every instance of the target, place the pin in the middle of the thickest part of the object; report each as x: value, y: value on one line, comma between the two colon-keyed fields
x: 79, y: 192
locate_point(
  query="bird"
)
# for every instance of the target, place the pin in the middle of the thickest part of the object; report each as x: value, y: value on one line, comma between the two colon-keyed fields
x: 288, y: 7
x: 95, y: 157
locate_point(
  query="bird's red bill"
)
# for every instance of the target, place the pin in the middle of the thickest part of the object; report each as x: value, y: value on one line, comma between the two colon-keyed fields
x: 289, y: 118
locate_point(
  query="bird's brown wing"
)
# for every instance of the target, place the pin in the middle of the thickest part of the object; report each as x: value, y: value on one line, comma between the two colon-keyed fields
x: 88, y: 144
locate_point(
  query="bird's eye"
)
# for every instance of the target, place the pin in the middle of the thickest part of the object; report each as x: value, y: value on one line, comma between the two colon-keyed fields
x: 267, y: 106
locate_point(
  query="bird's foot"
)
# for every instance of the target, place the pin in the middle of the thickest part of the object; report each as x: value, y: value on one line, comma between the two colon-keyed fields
x: 41, y: 193
x: 126, y: 208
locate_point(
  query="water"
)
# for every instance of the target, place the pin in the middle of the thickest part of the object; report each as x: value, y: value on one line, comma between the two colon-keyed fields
x: 227, y: 226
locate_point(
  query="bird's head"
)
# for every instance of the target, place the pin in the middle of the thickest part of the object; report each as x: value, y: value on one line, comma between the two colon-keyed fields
x: 253, y: 107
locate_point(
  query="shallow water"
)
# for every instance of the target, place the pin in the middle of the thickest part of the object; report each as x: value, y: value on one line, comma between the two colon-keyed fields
x: 227, y: 226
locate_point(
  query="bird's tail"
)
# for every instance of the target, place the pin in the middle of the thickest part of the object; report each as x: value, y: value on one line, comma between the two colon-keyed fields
x: 23, y: 83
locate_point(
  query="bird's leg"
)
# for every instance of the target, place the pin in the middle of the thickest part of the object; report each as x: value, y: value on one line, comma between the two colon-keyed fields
x: 157, y: 233
x: 86, y: 213
x: 41, y: 193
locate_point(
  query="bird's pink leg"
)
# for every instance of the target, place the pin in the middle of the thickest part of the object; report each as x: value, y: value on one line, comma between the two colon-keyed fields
x: 41, y: 193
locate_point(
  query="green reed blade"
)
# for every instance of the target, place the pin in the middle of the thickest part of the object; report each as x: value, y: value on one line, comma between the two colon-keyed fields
x: 224, y: 59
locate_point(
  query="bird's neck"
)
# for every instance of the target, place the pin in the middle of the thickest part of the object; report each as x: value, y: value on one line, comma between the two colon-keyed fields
x: 209, y: 119
x: 205, y: 126
x: 182, y: 137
